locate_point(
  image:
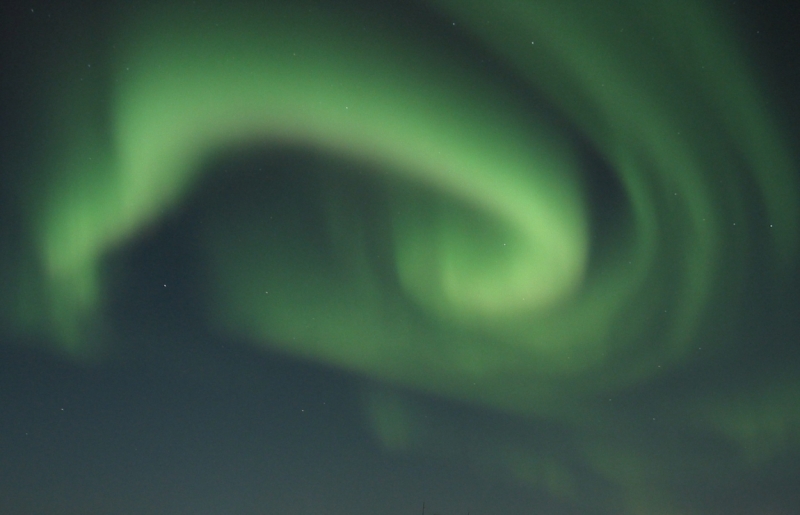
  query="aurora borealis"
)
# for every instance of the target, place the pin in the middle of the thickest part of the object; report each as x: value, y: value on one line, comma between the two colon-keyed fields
x: 554, y: 243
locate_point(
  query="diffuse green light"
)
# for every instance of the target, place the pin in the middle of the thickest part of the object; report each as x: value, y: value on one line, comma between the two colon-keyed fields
x: 492, y: 255
x: 187, y: 100
x: 496, y: 297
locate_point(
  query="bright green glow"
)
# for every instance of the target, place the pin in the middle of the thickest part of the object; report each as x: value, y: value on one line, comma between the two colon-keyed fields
x: 499, y: 302
x: 193, y: 99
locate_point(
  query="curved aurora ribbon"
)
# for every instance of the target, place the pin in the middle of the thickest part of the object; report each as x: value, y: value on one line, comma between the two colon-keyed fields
x: 500, y: 281
x: 504, y: 290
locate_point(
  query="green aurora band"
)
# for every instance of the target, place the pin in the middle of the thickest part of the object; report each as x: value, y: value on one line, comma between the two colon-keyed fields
x: 503, y: 293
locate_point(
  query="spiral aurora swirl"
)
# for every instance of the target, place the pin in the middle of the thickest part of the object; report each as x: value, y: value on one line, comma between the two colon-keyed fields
x: 504, y: 292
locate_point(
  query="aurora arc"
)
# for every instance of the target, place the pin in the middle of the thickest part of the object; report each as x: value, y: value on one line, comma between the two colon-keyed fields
x: 528, y: 313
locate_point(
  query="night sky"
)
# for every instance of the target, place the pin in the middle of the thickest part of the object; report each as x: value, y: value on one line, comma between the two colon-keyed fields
x: 358, y: 257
